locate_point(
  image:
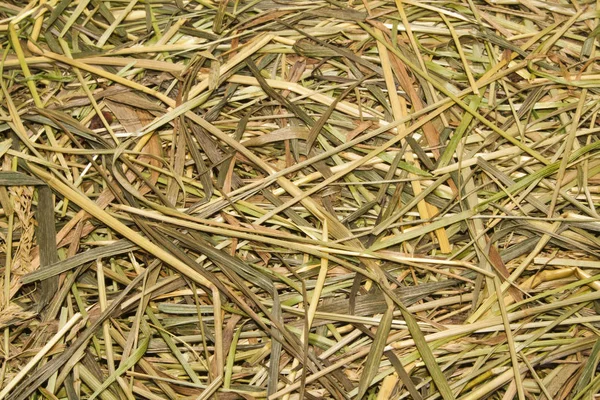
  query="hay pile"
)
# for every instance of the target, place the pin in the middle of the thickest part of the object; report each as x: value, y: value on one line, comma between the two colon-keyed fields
x: 299, y: 199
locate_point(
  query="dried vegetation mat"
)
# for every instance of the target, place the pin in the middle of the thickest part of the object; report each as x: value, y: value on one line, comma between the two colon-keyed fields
x: 325, y: 199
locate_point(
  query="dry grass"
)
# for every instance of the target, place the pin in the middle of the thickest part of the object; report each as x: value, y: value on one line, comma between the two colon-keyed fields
x: 299, y: 199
